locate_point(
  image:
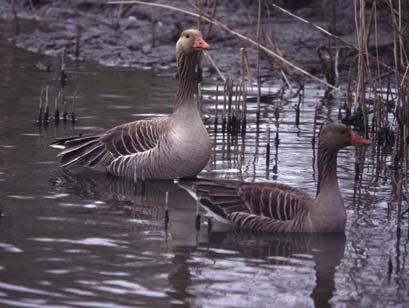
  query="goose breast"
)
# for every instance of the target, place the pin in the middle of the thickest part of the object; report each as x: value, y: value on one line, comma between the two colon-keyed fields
x: 190, y: 143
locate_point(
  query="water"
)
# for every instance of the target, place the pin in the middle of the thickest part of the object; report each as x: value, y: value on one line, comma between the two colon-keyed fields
x: 97, y: 241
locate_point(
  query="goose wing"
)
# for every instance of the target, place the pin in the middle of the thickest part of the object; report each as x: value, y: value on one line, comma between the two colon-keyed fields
x: 255, y: 206
x: 100, y: 150
x: 134, y: 137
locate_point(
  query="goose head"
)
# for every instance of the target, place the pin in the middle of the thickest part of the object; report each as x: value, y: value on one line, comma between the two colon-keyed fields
x: 336, y: 136
x: 191, y: 42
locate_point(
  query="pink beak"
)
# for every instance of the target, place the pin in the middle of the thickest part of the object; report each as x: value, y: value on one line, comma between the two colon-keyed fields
x: 359, y: 140
x: 200, y: 44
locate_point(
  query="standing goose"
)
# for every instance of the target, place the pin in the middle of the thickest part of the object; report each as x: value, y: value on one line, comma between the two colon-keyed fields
x: 168, y: 147
x: 274, y: 207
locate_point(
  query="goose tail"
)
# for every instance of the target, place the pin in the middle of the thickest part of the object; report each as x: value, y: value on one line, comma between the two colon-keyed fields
x: 83, y: 150
x: 201, y: 191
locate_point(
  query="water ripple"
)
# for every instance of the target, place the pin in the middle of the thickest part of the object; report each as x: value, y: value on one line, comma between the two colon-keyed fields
x: 87, y: 241
x: 10, y: 248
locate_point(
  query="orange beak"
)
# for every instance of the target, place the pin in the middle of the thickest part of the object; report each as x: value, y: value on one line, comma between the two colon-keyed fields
x: 200, y: 44
x: 359, y: 140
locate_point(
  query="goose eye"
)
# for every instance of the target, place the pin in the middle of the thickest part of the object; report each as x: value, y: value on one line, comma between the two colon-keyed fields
x: 187, y: 35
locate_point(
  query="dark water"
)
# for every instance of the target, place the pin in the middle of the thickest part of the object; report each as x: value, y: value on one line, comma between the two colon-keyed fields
x: 97, y: 241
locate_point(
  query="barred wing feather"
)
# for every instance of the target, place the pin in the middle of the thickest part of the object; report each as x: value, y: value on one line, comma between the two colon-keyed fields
x: 257, y: 206
x: 134, y: 137
x: 277, y: 201
x: 125, y: 140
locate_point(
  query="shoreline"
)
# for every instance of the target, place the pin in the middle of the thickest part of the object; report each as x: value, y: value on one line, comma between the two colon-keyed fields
x: 141, y: 37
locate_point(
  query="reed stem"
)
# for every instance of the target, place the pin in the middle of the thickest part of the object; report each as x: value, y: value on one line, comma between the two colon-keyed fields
x: 258, y: 58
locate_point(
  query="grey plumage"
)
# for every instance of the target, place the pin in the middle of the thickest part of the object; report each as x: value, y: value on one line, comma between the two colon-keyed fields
x: 168, y: 147
x: 271, y: 207
x: 255, y: 206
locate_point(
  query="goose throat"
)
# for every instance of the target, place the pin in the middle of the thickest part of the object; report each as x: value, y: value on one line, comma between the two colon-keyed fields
x: 327, y: 166
x: 187, y: 87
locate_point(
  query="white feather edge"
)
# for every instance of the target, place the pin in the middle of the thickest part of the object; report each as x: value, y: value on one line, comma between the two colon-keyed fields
x: 57, y: 146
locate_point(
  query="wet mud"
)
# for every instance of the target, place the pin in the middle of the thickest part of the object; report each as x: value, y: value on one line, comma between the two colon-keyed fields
x: 144, y: 37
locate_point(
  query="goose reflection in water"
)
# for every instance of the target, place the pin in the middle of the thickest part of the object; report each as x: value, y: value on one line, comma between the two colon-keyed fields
x: 145, y: 202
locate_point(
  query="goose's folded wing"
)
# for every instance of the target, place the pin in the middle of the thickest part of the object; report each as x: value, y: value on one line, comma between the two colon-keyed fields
x: 277, y: 201
x: 100, y: 150
x: 234, y: 201
x: 134, y: 137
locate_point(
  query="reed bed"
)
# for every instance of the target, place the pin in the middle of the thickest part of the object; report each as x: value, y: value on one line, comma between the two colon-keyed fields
x: 62, y: 109
x: 374, y: 89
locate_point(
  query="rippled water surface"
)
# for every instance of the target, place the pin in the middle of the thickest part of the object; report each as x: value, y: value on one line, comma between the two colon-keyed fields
x: 96, y: 241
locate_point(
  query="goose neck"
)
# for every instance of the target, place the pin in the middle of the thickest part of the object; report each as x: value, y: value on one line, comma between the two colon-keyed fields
x: 187, y: 87
x: 328, y: 213
x: 327, y: 168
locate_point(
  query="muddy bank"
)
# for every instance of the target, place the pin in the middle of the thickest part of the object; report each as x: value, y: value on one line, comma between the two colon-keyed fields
x: 143, y: 37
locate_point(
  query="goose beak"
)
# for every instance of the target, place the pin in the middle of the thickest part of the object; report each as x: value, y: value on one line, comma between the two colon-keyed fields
x: 200, y: 44
x: 359, y: 140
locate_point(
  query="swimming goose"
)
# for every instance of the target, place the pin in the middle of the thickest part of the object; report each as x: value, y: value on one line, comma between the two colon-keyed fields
x: 274, y: 207
x: 169, y: 147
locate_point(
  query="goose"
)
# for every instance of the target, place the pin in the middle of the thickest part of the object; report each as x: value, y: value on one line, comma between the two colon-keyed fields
x: 271, y: 207
x: 169, y: 147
